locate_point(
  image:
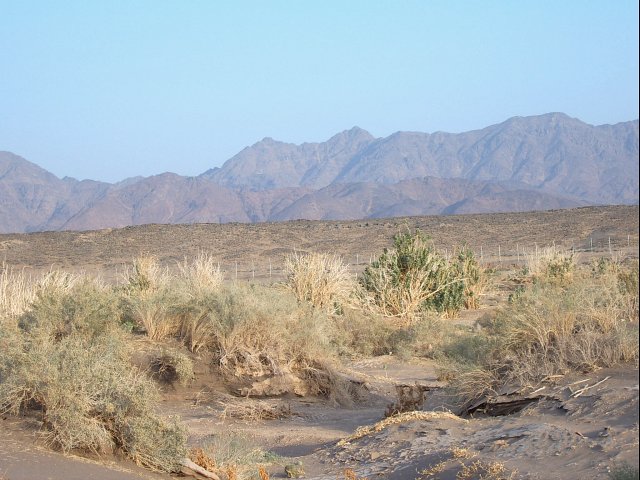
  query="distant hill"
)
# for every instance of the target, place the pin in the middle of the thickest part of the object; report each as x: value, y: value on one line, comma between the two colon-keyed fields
x: 552, y: 153
x: 525, y: 163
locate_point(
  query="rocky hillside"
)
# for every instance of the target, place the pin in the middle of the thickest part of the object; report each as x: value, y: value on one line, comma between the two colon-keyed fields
x: 532, y: 163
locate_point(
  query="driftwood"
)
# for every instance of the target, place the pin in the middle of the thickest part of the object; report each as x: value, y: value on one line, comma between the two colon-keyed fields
x: 191, y: 468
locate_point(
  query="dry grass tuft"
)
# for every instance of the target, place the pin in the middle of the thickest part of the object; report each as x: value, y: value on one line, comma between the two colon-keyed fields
x: 553, y: 328
x: 201, y: 275
x: 255, y: 411
x: 17, y: 291
x: 320, y: 279
x: 484, y: 470
x: 150, y: 300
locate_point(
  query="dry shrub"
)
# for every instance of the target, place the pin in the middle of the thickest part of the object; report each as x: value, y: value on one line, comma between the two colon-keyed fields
x: 199, y: 457
x: 262, y: 473
x: 149, y: 299
x: 363, y: 333
x: 17, y: 291
x: 171, y: 365
x: 255, y: 411
x: 234, y: 455
x: 69, y: 359
x: 366, y: 430
x: 550, y: 263
x: 484, y: 470
x: 552, y: 329
x: 476, y: 278
x: 201, y: 275
x: 320, y: 279
x: 199, y: 319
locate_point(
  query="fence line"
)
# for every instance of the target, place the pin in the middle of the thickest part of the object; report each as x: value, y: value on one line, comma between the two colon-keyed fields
x: 499, y: 254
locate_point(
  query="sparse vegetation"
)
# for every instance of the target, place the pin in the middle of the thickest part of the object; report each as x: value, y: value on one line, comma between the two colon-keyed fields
x: 624, y: 472
x: 67, y: 358
x: 552, y: 328
x: 66, y: 344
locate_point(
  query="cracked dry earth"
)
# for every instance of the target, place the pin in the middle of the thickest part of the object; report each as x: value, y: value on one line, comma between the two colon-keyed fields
x: 573, y: 428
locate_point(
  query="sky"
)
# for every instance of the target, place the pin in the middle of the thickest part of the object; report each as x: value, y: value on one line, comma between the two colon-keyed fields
x: 110, y: 89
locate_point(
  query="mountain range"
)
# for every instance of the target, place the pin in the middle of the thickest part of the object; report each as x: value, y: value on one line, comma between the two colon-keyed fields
x: 524, y: 163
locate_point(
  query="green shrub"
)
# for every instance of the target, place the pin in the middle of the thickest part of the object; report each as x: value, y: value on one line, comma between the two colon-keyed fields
x: 413, y: 277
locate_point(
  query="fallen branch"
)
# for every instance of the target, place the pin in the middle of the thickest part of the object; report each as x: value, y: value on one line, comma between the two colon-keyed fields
x: 582, y: 390
x: 194, y: 467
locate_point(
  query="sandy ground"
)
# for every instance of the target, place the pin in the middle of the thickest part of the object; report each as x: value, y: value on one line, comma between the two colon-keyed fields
x: 562, y: 434
x: 559, y: 435
x: 23, y: 456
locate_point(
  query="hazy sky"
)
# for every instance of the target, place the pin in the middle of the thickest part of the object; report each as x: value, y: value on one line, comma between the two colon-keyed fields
x: 111, y: 89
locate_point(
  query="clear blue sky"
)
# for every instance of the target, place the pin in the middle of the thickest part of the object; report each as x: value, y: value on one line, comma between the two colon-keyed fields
x: 108, y: 89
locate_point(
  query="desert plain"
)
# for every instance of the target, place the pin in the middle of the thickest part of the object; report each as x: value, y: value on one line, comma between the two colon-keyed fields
x: 399, y: 419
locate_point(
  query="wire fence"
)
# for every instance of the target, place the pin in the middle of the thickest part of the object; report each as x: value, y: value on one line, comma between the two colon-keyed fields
x: 271, y: 269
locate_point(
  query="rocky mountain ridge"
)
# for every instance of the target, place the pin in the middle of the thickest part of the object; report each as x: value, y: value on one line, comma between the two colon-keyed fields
x: 525, y: 163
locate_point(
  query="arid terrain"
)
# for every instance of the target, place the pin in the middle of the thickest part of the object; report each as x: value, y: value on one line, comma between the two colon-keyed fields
x: 579, y: 424
x: 252, y: 248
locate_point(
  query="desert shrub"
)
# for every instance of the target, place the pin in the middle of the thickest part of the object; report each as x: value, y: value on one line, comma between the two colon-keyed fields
x: 264, y: 338
x: 68, y: 358
x: 59, y: 309
x: 198, y: 323
x: 17, y: 291
x: 320, y: 279
x: 149, y: 300
x: 170, y: 365
x: 360, y: 333
x: 412, y: 277
x: 231, y: 452
x: 476, y: 278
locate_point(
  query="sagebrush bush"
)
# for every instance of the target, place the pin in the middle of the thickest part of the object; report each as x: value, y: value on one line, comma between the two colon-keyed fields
x: 321, y: 279
x: 358, y: 333
x: 69, y: 359
x: 413, y: 277
x: 263, y: 333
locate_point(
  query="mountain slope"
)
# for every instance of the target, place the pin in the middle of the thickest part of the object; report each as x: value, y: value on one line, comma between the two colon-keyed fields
x: 543, y: 162
x: 423, y: 196
x: 552, y: 153
x: 269, y: 164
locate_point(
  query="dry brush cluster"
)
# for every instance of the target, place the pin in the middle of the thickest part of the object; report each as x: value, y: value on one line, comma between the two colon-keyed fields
x: 568, y: 318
